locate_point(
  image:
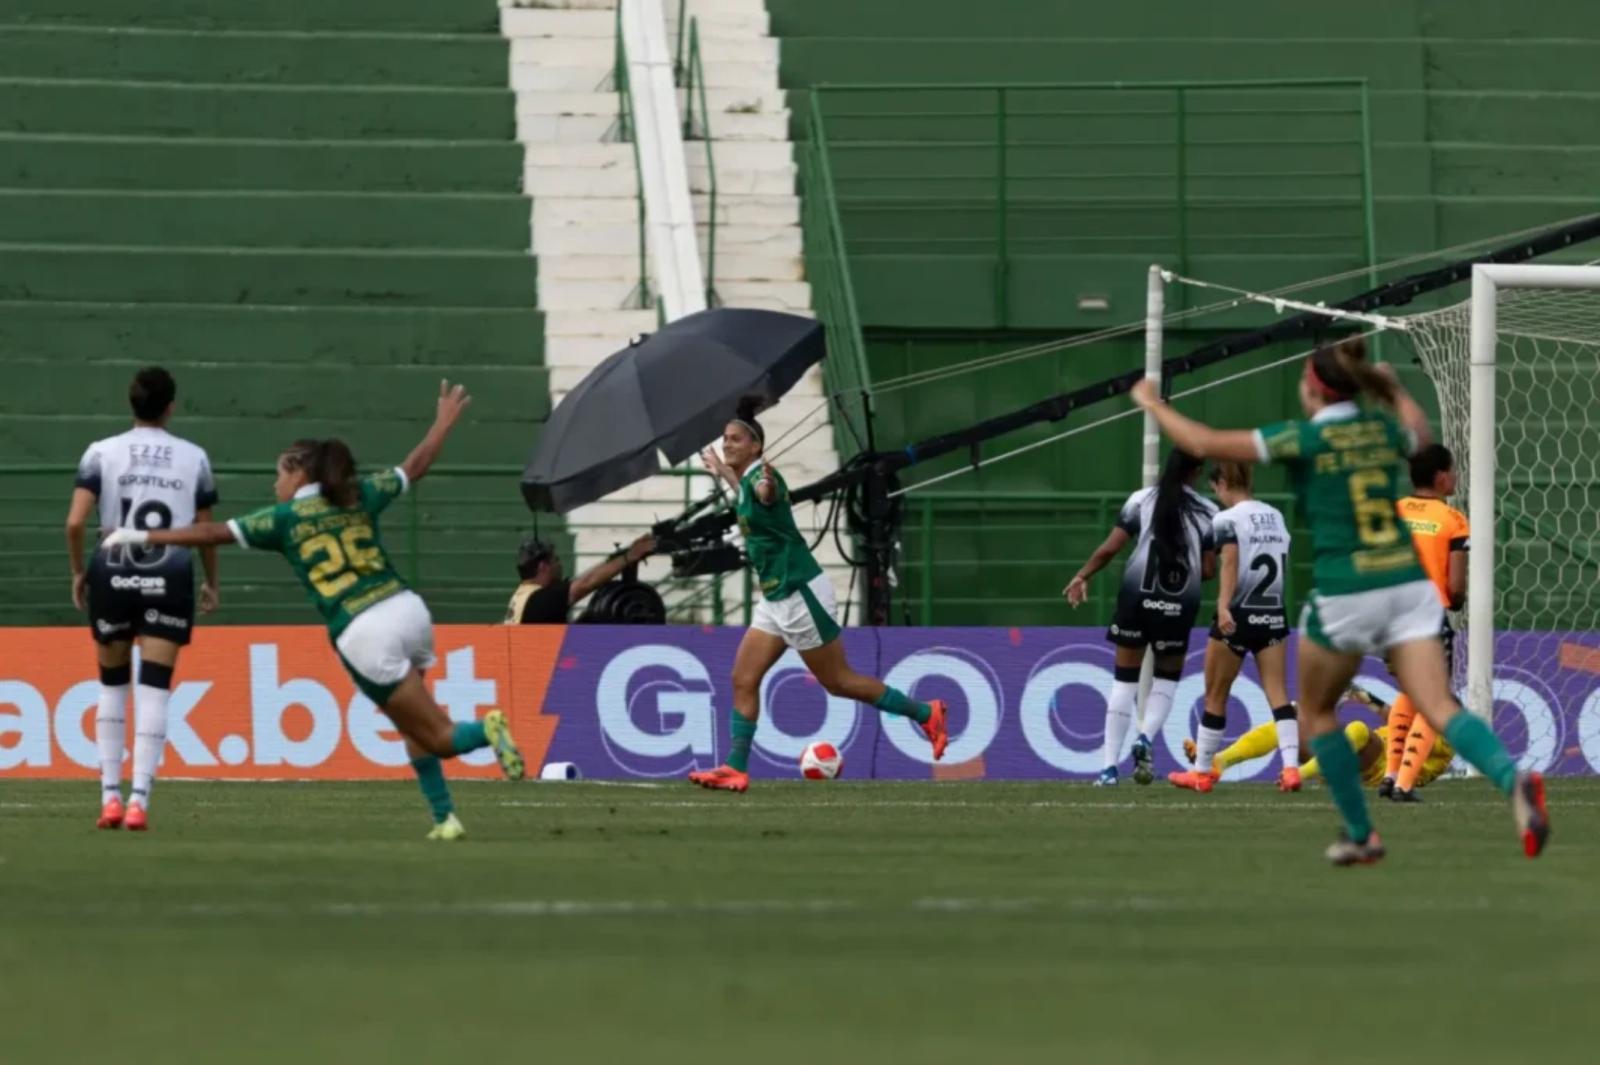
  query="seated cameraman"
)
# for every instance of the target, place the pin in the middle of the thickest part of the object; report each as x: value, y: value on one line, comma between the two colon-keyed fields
x: 545, y: 596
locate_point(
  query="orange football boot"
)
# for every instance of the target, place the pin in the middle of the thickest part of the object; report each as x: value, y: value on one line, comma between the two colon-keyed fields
x: 722, y: 778
x: 935, y: 728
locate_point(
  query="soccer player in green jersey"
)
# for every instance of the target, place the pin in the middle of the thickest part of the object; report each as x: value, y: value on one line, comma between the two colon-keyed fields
x: 325, y: 524
x: 1371, y: 596
x: 796, y: 609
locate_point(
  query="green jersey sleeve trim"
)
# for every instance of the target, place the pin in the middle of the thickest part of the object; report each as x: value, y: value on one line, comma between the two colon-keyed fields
x: 378, y: 490
x: 1281, y: 442
x: 258, y: 530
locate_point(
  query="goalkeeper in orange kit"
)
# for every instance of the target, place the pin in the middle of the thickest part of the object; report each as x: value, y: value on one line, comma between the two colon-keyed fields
x: 1441, y: 536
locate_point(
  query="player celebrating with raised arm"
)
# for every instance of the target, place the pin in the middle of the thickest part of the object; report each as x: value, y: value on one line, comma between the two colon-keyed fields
x: 1370, y: 596
x: 796, y: 609
x: 325, y: 524
x: 145, y: 478
x: 1252, y: 538
x: 1170, y: 526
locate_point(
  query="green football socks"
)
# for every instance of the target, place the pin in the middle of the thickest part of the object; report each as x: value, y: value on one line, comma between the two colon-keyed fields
x: 1477, y: 743
x: 894, y: 701
x: 1341, y: 769
x: 430, y: 778
x: 744, y: 732
x: 468, y: 736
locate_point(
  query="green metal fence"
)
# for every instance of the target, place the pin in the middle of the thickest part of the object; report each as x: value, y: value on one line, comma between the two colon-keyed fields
x: 833, y: 292
x: 454, y: 537
x: 1163, y: 171
x: 1003, y: 558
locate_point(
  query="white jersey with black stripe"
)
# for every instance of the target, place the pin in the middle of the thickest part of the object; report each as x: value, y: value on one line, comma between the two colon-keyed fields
x: 1262, y: 536
x: 147, y: 478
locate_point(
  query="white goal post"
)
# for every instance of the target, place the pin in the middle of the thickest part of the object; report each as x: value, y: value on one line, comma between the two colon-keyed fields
x: 1488, y: 280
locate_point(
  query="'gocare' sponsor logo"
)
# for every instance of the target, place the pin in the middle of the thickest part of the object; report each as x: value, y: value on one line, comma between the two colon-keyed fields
x: 1271, y: 621
x: 146, y: 585
x: 1164, y: 607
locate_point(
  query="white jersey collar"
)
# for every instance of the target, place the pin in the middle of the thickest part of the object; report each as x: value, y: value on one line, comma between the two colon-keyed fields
x: 1334, y: 411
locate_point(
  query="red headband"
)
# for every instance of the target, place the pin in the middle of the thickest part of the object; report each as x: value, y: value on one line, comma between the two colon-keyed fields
x: 1316, y: 382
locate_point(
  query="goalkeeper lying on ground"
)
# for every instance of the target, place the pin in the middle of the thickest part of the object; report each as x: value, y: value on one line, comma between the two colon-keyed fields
x: 1370, y: 748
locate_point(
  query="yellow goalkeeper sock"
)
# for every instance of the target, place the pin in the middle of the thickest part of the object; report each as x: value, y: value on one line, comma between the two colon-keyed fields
x: 1257, y: 743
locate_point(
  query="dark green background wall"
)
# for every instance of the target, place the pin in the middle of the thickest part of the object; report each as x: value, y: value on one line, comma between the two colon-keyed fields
x: 1482, y: 118
x: 310, y: 212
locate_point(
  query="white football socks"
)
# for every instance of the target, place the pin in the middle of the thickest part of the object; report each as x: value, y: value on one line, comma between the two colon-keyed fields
x: 149, y: 738
x: 110, y: 736
x: 1207, y: 742
x: 1157, y: 705
x: 1119, y: 718
x: 1288, y: 737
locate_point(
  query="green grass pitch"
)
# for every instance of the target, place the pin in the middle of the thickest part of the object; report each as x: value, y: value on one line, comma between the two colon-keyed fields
x: 927, y: 923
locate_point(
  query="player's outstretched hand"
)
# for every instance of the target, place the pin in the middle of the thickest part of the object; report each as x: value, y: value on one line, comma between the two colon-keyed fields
x: 1077, y: 592
x: 80, y: 591
x: 124, y: 538
x: 1225, y: 623
x: 210, y: 597
x: 453, y: 400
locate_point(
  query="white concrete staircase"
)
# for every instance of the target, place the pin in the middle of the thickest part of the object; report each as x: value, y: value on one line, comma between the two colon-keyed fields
x: 585, y: 193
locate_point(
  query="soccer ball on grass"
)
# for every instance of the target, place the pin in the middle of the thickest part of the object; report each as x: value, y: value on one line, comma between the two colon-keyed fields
x: 821, y: 761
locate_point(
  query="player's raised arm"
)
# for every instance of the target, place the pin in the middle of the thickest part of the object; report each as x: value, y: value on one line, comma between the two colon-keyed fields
x: 1197, y: 438
x: 453, y: 401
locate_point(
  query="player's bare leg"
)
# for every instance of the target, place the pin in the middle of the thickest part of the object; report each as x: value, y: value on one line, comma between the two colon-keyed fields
x: 1324, y: 676
x: 1221, y: 669
x: 758, y: 652
x: 412, y: 709
x: 828, y: 664
x: 1420, y: 667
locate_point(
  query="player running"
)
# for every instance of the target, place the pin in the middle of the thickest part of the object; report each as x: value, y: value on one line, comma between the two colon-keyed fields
x: 325, y: 524
x: 1170, y: 526
x: 1369, y: 746
x: 1441, y: 536
x: 1371, y: 595
x: 1252, y: 538
x: 796, y: 609
x: 145, y: 478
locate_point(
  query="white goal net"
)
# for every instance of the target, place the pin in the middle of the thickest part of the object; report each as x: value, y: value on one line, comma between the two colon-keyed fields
x: 1523, y: 419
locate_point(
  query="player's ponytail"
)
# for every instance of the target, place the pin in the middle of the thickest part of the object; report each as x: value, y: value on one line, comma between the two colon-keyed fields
x: 333, y: 466
x: 1341, y: 372
x: 1174, y: 503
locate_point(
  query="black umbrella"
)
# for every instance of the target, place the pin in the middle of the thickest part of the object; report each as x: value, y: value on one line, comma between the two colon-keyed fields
x: 670, y: 391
